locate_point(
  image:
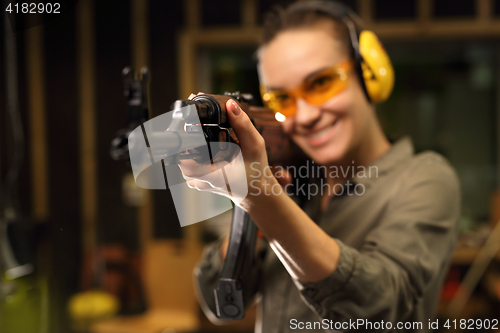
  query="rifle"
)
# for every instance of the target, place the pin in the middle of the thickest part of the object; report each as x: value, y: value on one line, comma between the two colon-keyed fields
x: 202, y: 118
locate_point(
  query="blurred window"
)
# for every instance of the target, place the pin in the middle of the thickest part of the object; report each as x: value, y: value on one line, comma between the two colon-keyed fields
x: 220, y: 12
x: 451, y: 8
x: 496, y: 7
x: 445, y: 98
x: 395, y: 9
x: 266, y: 5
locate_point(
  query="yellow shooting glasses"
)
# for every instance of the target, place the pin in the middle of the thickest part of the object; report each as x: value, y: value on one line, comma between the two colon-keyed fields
x: 316, y: 89
x: 371, y: 64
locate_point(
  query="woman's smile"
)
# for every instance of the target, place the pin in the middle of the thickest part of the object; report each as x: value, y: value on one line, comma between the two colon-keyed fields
x: 323, y: 136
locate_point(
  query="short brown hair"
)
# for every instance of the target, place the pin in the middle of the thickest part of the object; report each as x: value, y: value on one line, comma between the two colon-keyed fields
x: 283, y: 19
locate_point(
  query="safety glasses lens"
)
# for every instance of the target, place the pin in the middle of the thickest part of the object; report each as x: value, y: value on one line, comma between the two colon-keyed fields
x: 314, y: 90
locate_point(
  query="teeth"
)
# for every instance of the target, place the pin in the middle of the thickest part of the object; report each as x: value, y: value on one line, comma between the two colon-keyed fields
x: 320, y: 133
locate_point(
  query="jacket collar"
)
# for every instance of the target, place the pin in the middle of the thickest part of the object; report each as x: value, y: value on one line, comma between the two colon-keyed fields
x: 400, y: 151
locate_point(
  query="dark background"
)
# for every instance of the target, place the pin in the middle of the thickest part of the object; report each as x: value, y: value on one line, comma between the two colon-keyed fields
x: 426, y: 70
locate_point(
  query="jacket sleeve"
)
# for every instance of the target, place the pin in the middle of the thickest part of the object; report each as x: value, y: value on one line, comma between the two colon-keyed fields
x: 401, y: 258
x: 208, y: 272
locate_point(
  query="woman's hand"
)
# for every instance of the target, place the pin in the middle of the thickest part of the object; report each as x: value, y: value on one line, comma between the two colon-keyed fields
x: 307, y: 252
x: 246, y: 171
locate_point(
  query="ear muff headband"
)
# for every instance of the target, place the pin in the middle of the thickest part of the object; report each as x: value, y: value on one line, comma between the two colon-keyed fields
x: 373, y: 65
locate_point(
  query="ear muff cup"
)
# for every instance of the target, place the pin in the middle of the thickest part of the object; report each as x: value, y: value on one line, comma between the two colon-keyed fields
x: 376, y: 67
x: 373, y: 65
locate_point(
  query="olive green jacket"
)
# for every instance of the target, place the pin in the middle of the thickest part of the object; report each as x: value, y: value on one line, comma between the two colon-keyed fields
x: 396, y: 240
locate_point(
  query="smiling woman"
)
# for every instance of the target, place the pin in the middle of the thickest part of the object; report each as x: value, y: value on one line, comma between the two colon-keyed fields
x: 379, y: 255
x: 297, y: 58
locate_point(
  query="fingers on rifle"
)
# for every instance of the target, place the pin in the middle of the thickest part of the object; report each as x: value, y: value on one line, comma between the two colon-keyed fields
x: 250, y: 139
x: 194, y: 95
x: 190, y: 183
x: 192, y: 169
x: 199, y: 184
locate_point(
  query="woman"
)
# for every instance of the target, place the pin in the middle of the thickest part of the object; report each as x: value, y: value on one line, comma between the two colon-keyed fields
x: 371, y: 260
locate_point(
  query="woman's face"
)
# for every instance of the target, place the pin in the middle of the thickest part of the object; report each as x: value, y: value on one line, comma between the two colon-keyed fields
x: 330, y: 132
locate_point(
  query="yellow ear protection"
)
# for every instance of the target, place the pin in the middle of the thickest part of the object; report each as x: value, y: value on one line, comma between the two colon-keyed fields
x: 373, y: 65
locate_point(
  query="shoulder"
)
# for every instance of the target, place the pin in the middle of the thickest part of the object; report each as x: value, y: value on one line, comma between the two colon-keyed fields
x: 431, y: 166
x: 428, y: 186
